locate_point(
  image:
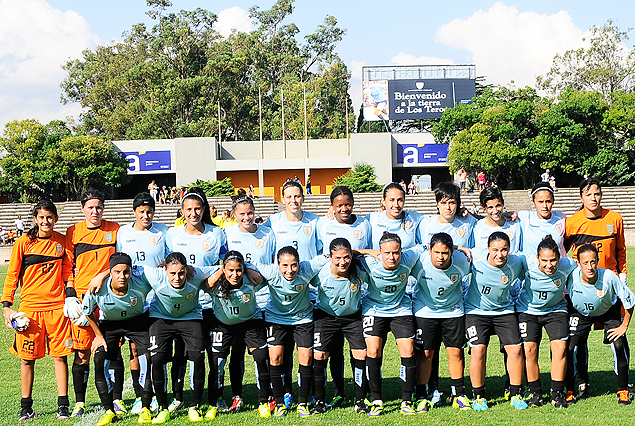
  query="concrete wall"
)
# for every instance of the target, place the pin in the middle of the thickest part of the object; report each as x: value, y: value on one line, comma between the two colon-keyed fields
x: 374, y: 149
x: 195, y: 159
x: 250, y: 150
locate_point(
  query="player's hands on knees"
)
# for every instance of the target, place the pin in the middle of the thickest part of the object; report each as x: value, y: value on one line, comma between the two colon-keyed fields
x: 615, y: 333
x: 98, y: 342
x: 7, y: 316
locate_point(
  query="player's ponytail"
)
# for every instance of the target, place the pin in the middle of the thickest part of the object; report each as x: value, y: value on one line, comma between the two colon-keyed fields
x: 548, y: 243
x: 42, y: 205
x: 224, y: 286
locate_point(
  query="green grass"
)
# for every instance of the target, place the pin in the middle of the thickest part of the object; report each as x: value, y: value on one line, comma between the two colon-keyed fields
x: 601, y: 409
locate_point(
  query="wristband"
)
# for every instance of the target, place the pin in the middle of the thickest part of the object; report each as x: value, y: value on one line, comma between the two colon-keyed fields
x: 6, y: 304
x: 70, y: 292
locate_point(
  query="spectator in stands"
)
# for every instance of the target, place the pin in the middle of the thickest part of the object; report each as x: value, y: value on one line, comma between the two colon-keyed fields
x: 481, y: 180
x: 162, y: 195
x: 545, y: 176
x: 3, y: 236
x: 19, y: 226
x: 10, y: 236
x: 309, y: 191
x: 412, y: 188
x: 252, y: 192
x: 463, y: 180
x: 218, y: 220
x: 153, y: 190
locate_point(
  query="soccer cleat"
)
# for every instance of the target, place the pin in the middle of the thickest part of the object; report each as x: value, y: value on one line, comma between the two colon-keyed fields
x: 62, y: 412
x: 423, y: 405
x: 238, y: 404
x: 174, y: 405
x: 360, y: 407
x: 211, y: 413
x: 319, y: 407
x: 120, y: 407
x: 558, y: 399
x: 194, y: 414
x: 162, y: 417
x: 623, y: 397
x: 78, y: 410
x: 461, y: 402
x: 137, y: 406
x: 479, y: 404
x: 264, y: 411
x: 303, y: 410
x: 535, y: 400
x: 107, y: 418
x: 288, y: 400
x: 26, y: 414
x: 280, y: 411
x: 435, y: 398
x: 407, y: 408
x: 222, y: 405
x: 570, y: 398
x: 584, y: 391
x: 507, y: 393
x: 337, y: 401
x: 518, y: 402
x: 375, y: 410
x: 145, y: 416
x: 154, y: 404
x: 272, y: 403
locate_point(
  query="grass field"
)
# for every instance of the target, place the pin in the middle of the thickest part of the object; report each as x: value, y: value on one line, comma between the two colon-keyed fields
x: 601, y: 409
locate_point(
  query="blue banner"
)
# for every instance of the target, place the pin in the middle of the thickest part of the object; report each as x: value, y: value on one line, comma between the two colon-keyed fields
x: 422, y: 153
x: 427, y: 98
x: 148, y: 161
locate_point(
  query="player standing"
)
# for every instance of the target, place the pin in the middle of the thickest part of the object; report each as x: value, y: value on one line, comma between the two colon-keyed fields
x: 544, y: 221
x: 491, y: 199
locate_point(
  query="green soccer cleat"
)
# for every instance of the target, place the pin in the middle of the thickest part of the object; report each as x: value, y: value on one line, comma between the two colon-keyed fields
x: 423, y: 405
x: 162, y: 417
x: 145, y: 416
x: 211, y: 413
x: 462, y: 403
x: 78, y: 410
x: 407, y: 408
x: 303, y: 410
x: 280, y: 411
x: 194, y: 414
x: 107, y: 418
x: 120, y: 407
x: 518, y: 402
x: 264, y: 411
x: 375, y: 410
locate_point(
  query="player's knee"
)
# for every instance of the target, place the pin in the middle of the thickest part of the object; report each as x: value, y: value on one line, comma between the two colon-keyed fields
x: 320, y: 356
x: 159, y: 359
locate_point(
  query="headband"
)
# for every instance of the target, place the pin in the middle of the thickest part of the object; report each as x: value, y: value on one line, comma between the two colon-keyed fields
x: 195, y: 195
x: 542, y: 188
x: 119, y: 260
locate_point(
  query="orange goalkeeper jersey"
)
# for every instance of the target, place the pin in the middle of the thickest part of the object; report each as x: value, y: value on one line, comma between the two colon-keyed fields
x: 606, y: 233
x: 91, y: 248
x: 40, y: 267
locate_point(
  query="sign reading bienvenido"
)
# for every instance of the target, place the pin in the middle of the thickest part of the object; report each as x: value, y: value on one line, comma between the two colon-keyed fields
x: 427, y: 98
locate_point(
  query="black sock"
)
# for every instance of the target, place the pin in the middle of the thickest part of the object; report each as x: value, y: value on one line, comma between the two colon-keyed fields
x: 458, y: 386
x: 276, y: 372
x: 337, y: 367
x: 62, y: 401
x: 479, y: 392
x: 557, y: 385
x: 359, y: 378
x: 515, y: 390
x: 373, y: 370
x: 138, y: 389
x: 408, y: 376
x: 80, y: 381
x: 26, y: 402
x: 535, y: 387
x: 237, y: 371
x: 288, y: 372
x: 433, y: 381
x: 101, y: 380
x: 319, y: 375
x: 306, y: 380
x: 117, y: 386
x: 421, y: 391
x: 261, y: 359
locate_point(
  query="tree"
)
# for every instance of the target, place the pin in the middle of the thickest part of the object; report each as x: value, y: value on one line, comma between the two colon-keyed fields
x: 605, y: 66
x: 361, y: 178
x: 217, y: 188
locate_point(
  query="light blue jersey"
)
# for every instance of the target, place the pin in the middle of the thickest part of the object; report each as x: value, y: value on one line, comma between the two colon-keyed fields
x: 199, y: 250
x: 289, y: 303
x: 241, y: 305
x: 358, y: 233
x: 118, y: 308
x: 146, y: 248
x: 461, y: 230
x: 406, y: 228
x: 543, y: 294
x: 302, y: 235
x: 534, y: 229
x: 439, y: 293
x: 490, y: 291
x: 387, y: 288
x: 339, y: 296
x: 482, y: 231
x: 594, y: 300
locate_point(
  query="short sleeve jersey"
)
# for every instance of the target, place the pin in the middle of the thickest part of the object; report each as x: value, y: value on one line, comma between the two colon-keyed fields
x: 40, y: 267
x: 489, y: 292
x: 387, y: 288
x: 541, y: 293
x: 406, y: 228
x: 534, y: 229
x: 302, y: 234
x: 439, y: 293
x: 118, y: 308
x: 482, y: 231
x: 146, y: 248
x: 594, y: 300
x: 461, y: 230
x: 339, y: 296
x: 289, y: 301
x: 257, y: 247
x: 239, y: 307
x: 358, y: 233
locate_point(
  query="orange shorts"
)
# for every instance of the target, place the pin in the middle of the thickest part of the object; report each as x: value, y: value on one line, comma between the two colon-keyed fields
x: 82, y: 337
x: 48, y: 331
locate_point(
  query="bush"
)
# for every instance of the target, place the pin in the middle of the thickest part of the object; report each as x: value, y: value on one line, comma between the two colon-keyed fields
x: 361, y: 178
x: 217, y: 188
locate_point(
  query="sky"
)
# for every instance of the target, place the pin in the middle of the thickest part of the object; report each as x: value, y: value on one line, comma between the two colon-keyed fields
x: 509, y: 42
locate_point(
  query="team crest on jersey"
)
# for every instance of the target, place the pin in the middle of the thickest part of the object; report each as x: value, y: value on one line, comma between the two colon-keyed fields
x: 260, y: 243
x: 246, y: 297
x: 69, y: 343
x: 610, y: 228
x: 454, y: 277
x: 133, y: 301
x: 354, y: 288
x: 403, y: 276
x: 510, y: 234
x: 557, y: 282
x: 407, y: 225
x: 108, y: 236
x: 154, y: 240
x: 306, y: 230
x: 59, y: 249
x: 358, y: 235
x: 600, y: 293
x: 460, y: 232
x: 189, y: 296
x: 298, y: 287
x: 504, y: 279
x: 207, y: 245
x: 560, y: 228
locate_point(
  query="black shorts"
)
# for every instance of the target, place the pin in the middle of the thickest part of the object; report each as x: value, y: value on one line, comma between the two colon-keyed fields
x: 209, y: 321
x: 327, y: 327
x: 580, y: 325
x: 479, y: 328
x: 287, y: 334
x: 432, y: 331
x: 556, y: 325
x: 162, y: 331
x: 252, y: 332
x: 134, y: 329
x: 401, y: 327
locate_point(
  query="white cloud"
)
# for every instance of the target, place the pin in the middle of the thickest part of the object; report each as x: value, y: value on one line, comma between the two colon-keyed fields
x: 35, y: 40
x: 507, y: 45
x: 234, y: 18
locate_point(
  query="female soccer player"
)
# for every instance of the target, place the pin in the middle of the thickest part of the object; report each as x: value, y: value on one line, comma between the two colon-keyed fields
x: 439, y: 316
x: 541, y: 304
x: 239, y: 317
x: 594, y: 292
x: 489, y: 309
x: 289, y: 317
x: 338, y: 312
x: 40, y: 263
x: 92, y: 241
x: 491, y: 199
x: 543, y: 221
x: 387, y: 307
